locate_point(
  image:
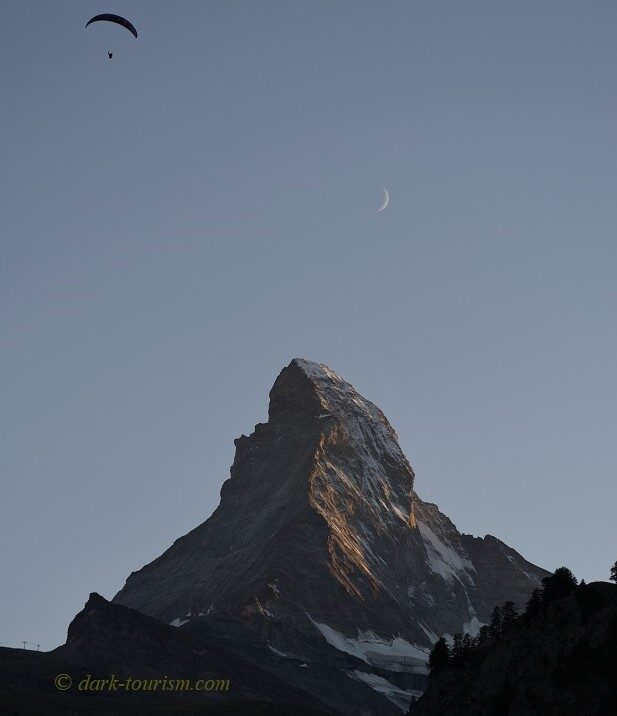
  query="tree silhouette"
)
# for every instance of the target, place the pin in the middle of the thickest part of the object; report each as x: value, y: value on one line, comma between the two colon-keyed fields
x: 484, y: 637
x: 534, y: 605
x: 611, y: 644
x: 560, y: 584
x: 440, y: 656
x: 468, y: 643
x: 457, y: 647
x: 496, y: 624
x: 589, y: 601
x: 508, y: 614
x: 613, y: 576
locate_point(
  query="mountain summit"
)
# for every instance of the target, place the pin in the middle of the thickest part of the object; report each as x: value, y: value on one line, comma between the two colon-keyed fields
x: 322, y: 547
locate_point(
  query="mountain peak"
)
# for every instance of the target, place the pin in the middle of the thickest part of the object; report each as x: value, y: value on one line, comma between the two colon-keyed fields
x: 314, y: 369
x: 357, y: 459
x: 306, y: 386
x: 295, y: 392
x: 320, y: 535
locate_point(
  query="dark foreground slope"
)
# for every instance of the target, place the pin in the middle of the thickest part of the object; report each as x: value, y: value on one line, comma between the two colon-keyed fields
x: 106, y: 640
x: 560, y: 659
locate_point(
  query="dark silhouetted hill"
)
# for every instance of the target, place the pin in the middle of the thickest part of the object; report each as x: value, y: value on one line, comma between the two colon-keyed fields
x: 558, y: 659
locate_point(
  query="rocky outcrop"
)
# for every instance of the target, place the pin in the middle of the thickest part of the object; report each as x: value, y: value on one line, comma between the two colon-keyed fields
x: 503, y: 573
x: 321, y: 546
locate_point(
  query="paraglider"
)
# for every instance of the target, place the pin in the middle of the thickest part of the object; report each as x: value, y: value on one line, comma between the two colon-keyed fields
x: 114, y: 18
x: 107, y: 17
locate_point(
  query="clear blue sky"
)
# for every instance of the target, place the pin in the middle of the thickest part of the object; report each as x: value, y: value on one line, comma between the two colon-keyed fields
x: 180, y: 222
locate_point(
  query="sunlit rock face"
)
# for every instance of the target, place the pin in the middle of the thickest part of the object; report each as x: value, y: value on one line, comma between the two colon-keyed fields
x: 320, y: 543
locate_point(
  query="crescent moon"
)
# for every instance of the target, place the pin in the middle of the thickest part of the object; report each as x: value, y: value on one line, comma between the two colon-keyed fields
x: 385, y: 200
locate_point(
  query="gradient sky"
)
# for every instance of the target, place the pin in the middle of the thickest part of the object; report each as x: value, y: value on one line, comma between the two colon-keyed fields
x: 180, y: 222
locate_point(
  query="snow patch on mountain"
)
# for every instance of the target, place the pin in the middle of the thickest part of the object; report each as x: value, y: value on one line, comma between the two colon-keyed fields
x: 443, y: 560
x: 178, y: 622
x: 396, y: 654
x: 399, y: 697
x: 429, y: 633
x: 473, y: 626
x: 517, y: 565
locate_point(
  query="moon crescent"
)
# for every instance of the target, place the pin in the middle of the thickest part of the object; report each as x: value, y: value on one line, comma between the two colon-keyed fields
x: 385, y: 201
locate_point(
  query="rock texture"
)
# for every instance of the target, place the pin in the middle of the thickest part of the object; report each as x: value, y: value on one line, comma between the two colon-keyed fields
x: 321, y: 546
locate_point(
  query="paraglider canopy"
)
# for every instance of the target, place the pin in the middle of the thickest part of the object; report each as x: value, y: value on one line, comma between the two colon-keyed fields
x: 114, y: 18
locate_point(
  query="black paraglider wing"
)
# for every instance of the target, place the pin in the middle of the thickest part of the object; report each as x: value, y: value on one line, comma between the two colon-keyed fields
x: 114, y: 18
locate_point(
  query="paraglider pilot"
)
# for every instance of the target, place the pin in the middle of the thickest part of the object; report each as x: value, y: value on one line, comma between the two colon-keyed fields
x: 118, y: 20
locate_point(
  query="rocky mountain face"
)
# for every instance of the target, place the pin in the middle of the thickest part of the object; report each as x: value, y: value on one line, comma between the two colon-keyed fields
x: 559, y: 661
x: 322, y: 548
